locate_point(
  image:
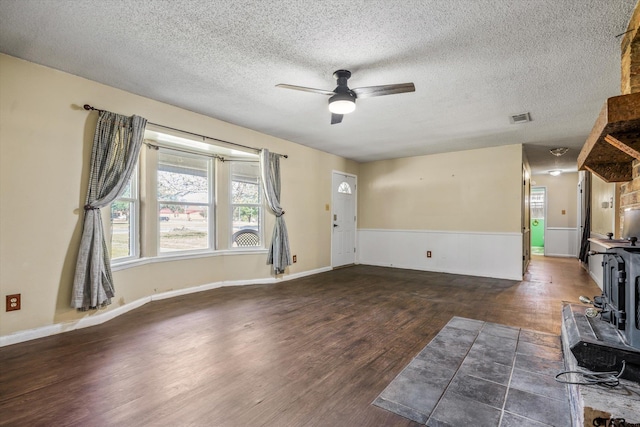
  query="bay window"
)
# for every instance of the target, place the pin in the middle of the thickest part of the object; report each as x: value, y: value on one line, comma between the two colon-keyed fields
x: 175, y: 204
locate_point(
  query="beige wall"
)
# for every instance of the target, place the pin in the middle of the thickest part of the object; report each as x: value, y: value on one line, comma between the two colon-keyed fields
x: 45, y: 143
x: 603, y: 218
x: 476, y: 190
x: 562, y: 195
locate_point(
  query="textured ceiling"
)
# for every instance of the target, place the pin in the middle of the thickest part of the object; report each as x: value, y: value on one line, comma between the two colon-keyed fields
x: 474, y: 63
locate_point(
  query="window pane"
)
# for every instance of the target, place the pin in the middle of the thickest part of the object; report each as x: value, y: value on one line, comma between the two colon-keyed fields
x: 182, y: 178
x: 183, y: 227
x: 121, y: 229
x: 244, y: 191
x: 344, y: 187
x: 127, y: 191
x: 246, y: 217
x: 246, y: 211
x: 246, y: 226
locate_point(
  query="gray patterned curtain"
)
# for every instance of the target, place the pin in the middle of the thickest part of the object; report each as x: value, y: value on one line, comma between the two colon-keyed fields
x: 116, y: 146
x: 279, y: 252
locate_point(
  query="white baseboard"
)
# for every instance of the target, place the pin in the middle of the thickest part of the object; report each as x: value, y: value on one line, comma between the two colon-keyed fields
x: 561, y: 255
x: 481, y: 254
x: 106, y: 315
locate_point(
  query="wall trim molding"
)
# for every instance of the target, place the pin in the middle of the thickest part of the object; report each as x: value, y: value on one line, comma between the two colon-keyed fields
x: 487, y: 233
x: 561, y: 256
x: 562, y: 228
x: 105, y: 316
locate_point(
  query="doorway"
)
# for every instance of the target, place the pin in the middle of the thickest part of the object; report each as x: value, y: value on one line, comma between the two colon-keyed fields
x: 538, y: 219
x: 343, y: 219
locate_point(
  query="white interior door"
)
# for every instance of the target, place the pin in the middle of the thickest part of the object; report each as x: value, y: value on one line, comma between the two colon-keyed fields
x: 343, y: 216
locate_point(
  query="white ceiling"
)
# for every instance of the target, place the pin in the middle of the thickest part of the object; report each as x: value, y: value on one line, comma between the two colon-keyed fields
x: 474, y: 63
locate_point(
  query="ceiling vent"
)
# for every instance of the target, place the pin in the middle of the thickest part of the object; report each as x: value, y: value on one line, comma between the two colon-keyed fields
x: 520, y: 118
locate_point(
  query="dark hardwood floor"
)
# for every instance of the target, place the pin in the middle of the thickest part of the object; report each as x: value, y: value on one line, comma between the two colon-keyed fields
x: 314, y: 351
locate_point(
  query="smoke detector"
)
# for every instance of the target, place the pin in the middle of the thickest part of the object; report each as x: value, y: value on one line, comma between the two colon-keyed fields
x: 520, y: 118
x: 559, y: 151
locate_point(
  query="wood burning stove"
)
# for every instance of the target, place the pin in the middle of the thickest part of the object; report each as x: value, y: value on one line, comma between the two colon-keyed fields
x: 604, y: 336
x: 619, y: 302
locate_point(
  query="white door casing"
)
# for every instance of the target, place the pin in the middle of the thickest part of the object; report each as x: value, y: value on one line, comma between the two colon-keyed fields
x: 343, y: 219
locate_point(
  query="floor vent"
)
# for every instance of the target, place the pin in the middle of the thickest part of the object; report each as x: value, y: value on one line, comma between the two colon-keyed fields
x: 520, y: 118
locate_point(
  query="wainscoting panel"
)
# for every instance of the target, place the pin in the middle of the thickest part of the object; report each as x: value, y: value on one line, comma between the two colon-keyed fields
x: 561, y: 241
x: 496, y: 255
x: 595, y: 263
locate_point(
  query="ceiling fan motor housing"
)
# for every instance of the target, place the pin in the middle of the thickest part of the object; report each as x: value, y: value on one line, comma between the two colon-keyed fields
x: 344, y: 100
x: 342, y: 76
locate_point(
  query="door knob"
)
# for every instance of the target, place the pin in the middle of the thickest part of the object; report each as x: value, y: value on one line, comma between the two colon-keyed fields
x: 335, y: 225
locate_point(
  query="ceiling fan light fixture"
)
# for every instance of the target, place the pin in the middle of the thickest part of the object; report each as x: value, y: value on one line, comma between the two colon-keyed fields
x: 342, y: 103
x: 343, y: 99
x: 559, y: 151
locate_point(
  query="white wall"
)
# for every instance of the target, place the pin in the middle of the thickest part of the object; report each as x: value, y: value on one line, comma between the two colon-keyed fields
x: 595, y: 263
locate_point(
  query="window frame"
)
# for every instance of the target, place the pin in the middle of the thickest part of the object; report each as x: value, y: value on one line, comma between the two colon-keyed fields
x: 259, y: 205
x: 134, y: 219
x: 210, y: 204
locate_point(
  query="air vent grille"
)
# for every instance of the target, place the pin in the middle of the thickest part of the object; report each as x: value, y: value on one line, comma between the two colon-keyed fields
x: 520, y: 118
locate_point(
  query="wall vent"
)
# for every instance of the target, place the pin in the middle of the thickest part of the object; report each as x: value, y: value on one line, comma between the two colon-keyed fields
x: 520, y: 118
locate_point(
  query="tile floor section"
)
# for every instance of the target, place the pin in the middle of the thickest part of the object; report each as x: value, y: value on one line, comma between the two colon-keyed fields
x: 476, y: 373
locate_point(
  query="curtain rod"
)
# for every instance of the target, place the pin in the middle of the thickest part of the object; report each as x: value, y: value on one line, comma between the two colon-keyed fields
x: 90, y: 108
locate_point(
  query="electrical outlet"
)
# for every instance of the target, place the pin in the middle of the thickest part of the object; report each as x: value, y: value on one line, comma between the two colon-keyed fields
x: 428, y: 254
x: 13, y: 302
x: 295, y: 259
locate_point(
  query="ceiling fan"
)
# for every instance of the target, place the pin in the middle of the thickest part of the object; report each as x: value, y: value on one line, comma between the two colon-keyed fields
x: 343, y: 99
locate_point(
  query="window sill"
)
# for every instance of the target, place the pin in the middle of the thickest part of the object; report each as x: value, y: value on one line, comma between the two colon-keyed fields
x: 174, y: 257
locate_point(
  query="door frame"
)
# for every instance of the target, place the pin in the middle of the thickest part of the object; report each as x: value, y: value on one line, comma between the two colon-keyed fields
x: 526, y: 217
x: 581, y: 213
x: 355, y: 210
x: 546, y: 200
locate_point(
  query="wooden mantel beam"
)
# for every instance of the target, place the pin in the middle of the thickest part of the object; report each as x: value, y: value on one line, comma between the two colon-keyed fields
x: 613, y: 139
x: 626, y: 142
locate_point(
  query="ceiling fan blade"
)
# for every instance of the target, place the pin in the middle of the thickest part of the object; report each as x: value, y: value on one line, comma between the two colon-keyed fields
x: 306, y: 89
x: 336, y: 118
x: 368, y: 92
